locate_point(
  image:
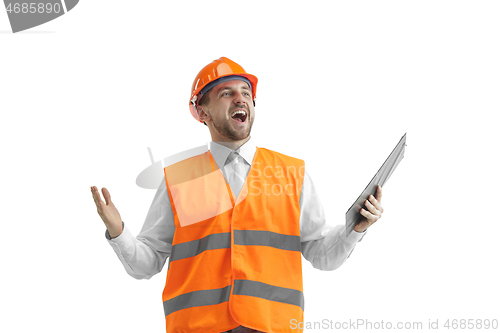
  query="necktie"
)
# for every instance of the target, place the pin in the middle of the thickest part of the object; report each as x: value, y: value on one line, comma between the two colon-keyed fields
x: 237, y: 176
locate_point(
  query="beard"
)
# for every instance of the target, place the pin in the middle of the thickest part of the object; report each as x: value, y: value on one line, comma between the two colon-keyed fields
x: 225, y: 130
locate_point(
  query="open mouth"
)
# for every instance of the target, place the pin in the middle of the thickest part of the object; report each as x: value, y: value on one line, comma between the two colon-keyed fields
x: 239, y: 116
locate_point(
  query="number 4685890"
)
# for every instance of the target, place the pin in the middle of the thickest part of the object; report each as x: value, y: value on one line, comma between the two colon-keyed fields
x: 33, y: 7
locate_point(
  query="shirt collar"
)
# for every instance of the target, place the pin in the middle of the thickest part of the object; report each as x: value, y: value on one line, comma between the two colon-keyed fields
x: 220, y: 152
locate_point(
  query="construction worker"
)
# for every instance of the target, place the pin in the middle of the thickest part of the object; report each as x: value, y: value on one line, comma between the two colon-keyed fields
x: 234, y: 222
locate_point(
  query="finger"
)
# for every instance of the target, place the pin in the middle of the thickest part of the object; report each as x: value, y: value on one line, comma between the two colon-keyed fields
x: 376, y: 203
x: 369, y: 216
x: 106, y: 195
x: 365, y: 213
x: 379, y: 193
x: 98, y: 202
x: 96, y: 196
x: 379, y: 199
x: 372, y: 209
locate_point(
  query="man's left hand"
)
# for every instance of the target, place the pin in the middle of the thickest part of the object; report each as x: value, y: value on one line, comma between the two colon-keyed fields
x: 373, y: 213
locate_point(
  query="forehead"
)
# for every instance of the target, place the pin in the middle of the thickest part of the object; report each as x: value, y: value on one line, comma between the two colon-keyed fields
x: 233, y: 84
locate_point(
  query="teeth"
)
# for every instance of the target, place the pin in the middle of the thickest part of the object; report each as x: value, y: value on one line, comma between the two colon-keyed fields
x: 238, y: 112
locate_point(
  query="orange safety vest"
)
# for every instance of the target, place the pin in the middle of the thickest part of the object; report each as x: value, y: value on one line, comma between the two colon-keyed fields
x: 235, y: 261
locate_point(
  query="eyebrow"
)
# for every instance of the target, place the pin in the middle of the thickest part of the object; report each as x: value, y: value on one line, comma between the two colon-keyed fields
x: 229, y: 88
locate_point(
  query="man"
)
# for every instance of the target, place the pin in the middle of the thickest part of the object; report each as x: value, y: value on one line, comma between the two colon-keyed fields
x: 234, y: 222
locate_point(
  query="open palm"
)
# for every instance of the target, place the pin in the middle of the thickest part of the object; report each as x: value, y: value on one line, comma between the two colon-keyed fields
x: 107, y: 211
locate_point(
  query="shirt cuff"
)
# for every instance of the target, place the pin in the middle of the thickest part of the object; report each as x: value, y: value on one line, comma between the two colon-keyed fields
x: 124, y: 244
x: 108, y: 237
x: 355, y: 237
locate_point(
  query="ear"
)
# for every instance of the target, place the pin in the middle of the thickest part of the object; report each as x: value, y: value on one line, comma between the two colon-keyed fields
x: 202, y: 114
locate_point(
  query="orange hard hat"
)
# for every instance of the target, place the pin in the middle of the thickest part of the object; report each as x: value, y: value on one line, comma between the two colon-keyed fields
x: 210, y: 76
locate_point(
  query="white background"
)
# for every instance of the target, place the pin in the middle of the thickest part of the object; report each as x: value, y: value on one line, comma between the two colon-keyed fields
x: 83, y: 96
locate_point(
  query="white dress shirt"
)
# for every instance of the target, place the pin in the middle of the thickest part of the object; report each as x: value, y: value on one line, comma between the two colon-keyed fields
x: 143, y: 256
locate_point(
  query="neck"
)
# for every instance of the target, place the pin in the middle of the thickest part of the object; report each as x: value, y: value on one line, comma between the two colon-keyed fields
x: 232, y: 144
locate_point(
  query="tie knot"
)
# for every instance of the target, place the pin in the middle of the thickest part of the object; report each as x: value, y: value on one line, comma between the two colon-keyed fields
x: 234, y: 157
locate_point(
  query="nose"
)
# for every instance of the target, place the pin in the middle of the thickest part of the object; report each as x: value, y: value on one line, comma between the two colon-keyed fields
x: 239, y: 99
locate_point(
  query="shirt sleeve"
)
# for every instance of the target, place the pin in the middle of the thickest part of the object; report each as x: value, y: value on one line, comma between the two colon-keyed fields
x: 326, y: 247
x: 145, y: 255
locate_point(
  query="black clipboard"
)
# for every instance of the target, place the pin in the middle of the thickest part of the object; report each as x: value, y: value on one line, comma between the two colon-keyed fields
x: 353, y: 216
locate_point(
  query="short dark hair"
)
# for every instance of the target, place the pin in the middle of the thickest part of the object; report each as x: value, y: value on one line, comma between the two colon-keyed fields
x: 204, y: 100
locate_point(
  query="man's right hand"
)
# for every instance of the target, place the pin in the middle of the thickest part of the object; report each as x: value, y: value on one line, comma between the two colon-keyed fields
x: 107, y: 211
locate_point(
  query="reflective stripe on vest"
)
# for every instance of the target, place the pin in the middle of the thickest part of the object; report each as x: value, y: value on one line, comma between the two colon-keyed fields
x: 195, y: 247
x: 267, y: 238
x: 241, y: 287
x: 197, y: 298
x: 241, y: 237
x: 269, y: 292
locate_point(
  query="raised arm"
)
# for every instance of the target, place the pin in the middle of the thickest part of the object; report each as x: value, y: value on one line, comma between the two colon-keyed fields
x: 145, y: 255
